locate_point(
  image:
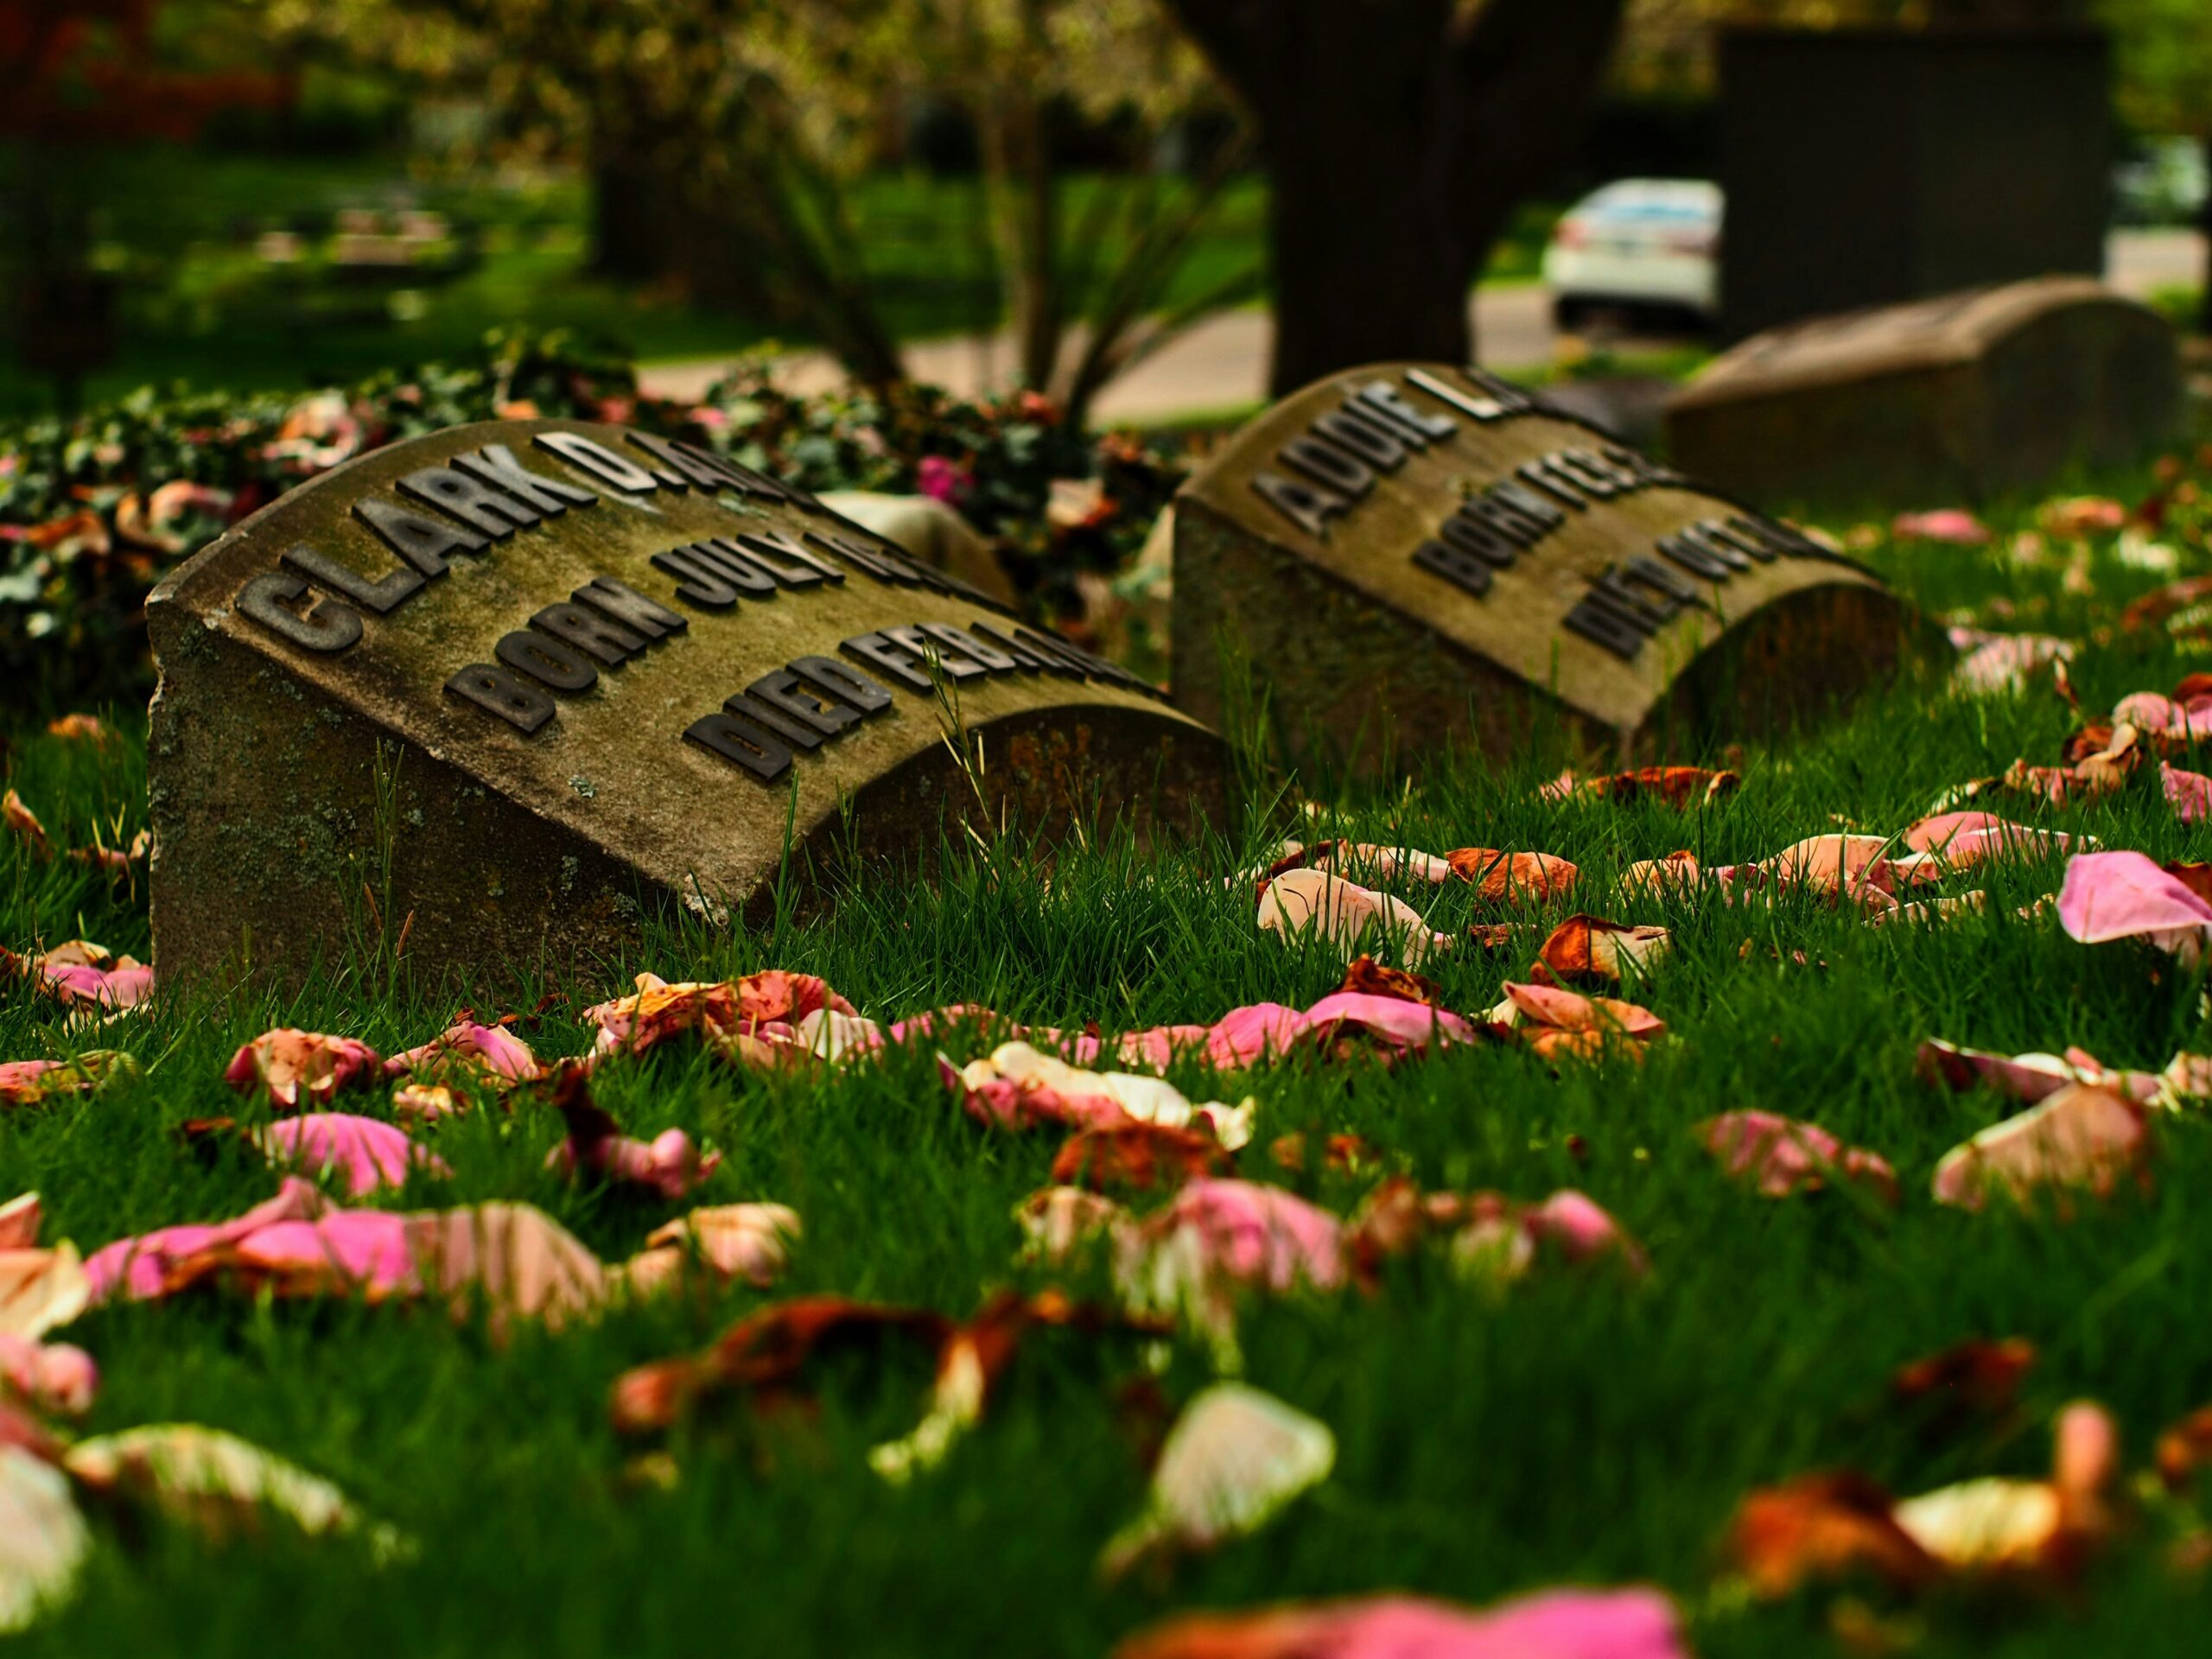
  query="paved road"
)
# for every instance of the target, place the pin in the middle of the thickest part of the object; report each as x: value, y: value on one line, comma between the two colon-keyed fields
x: 1223, y: 363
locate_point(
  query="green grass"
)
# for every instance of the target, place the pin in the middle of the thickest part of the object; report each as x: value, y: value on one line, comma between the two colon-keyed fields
x: 1576, y: 1428
x: 178, y: 227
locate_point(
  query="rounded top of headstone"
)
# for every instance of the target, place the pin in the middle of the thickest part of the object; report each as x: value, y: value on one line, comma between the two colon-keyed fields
x: 1851, y: 346
x: 1508, y: 532
x: 682, y: 661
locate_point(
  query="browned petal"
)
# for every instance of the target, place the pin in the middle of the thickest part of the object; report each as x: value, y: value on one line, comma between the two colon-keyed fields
x: 2197, y: 878
x: 994, y: 1335
x: 647, y: 1397
x: 1370, y: 978
x: 1820, y: 1527
x: 1661, y: 878
x: 775, y: 993
x: 764, y: 1354
x: 1678, y: 787
x: 2109, y: 766
x: 1391, y: 1222
x: 568, y: 1091
x: 1588, y: 950
x: 1139, y: 1155
x: 1978, y: 1374
x: 1554, y: 1042
x: 2185, y: 1449
x: 770, y: 1345
x: 23, y: 824
x: 2090, y: 740
x: 2156, y: 605
x: 1341, y: 1153
x: 1279, y: 1633
x: 1500, y: 876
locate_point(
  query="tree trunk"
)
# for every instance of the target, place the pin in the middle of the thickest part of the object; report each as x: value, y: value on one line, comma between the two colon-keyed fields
x: 2204, y: 223
x: 1367, y: 248
x: 634, y: 229
x: 1398, y: 135
x: 1017, y: 156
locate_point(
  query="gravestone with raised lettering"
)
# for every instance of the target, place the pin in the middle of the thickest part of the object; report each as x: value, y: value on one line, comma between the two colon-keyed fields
x: 1409, y: 556
x: 492, y: 697
x: 1958, y: 398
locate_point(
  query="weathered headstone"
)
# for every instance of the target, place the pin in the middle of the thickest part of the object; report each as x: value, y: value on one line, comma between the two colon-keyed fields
x: 504, y: 689
x: 1410, y: 555
x: 1873, y: 166
x: 1955, y: 398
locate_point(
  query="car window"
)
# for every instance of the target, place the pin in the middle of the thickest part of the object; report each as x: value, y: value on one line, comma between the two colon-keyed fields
x: 1637, y: 202
x: 1676, y: 212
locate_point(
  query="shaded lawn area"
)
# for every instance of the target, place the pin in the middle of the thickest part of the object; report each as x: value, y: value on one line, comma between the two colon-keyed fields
x: 1572, y: 1427
x: 202, y: 307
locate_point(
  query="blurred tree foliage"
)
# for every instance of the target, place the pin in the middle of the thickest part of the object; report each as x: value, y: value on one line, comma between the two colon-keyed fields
x: 85, y: 77
x: 1667, y: 45
x: 723, y: 136
x: 2163, y: 50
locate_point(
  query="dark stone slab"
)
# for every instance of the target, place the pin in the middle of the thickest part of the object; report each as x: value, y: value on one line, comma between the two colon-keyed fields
x: 511, y: 688
x: 1866, y: 166
x: 1959, y: 398
x: 1409, y: 556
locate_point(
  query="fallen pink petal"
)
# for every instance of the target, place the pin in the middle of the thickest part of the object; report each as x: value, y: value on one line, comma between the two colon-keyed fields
x: 52, y: 1377
x: 2189, y: 793
x: 1634, y: 1624
x: 747, y: 1242
x: 293, y: 1067
x: 1994, y: 663
x: 731, y: 1016
x: 491, y: 1052
x: 1779, y: 1156
x: 1953, y: 525
x: 2109, y: 896
x: 2081, y: 1138
x: 137, y: 1269
x: 83, y: 974
x: 363, y: 1153
x: 1236, y: 1231
x: 1965, y: 838
x: 2029, y: 1077
x: 35, y: 1082
x: 669, y: 1164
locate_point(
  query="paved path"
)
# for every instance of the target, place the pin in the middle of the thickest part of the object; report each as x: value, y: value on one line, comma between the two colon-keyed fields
x: 1222, y: 362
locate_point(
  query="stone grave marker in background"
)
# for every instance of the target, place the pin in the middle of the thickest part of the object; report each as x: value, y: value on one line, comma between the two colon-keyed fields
x: 1873, y: 166
x: 1410, y: 555
x: 507, y: 688
x: 1943, y: 400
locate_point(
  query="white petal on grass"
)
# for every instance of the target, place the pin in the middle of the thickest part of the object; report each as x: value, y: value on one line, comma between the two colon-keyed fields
x: 40, y: 1290
x: 1343, y: 915
x: 1983, y: 1523
x: 42, y: 1538
x: 1234, y: 1460
x: 1147, y: 1099
x: 219, y: 1482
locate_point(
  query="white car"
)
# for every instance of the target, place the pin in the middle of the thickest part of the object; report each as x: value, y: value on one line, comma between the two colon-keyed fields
x: 1645, y: 246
